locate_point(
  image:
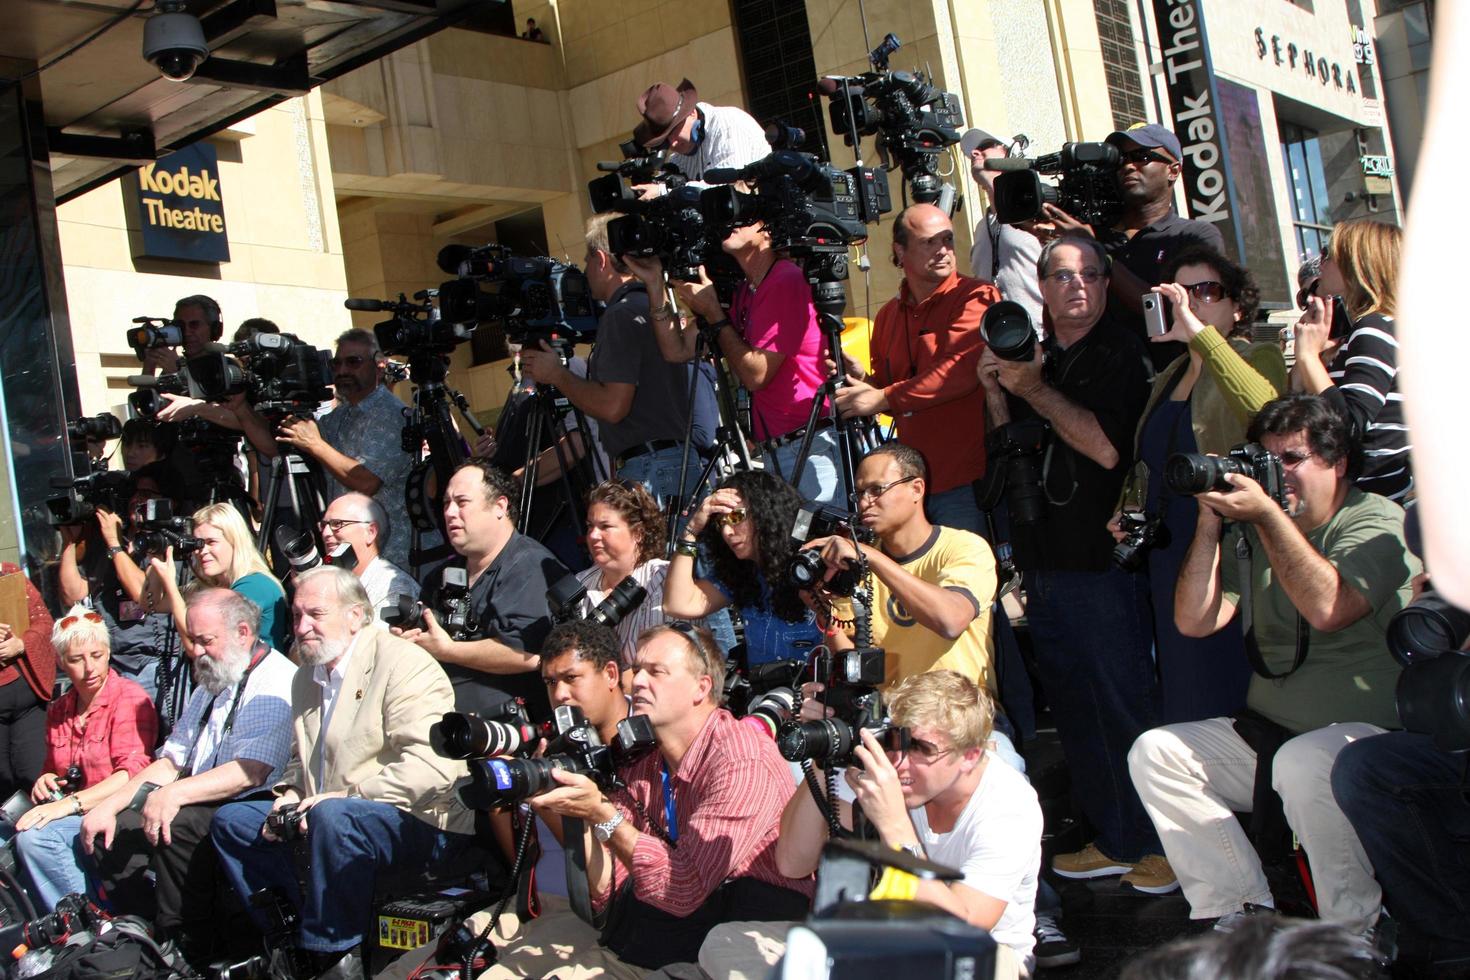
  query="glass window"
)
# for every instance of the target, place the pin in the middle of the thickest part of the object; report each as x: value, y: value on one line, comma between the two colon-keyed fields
x: 1311, y: 210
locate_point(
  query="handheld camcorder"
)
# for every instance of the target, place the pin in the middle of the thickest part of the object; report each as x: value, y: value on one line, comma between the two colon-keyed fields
x: 1086, y: 186
x: 1191, y: 473
x: 101, y: 427
x: 154, y: 332
x: 108, y: 489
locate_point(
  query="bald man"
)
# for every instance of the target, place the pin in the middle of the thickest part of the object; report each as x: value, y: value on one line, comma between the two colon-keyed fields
x: 359, y: 520
x: 925, y: 349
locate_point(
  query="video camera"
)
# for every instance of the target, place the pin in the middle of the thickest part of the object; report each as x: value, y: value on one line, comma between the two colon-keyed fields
x: 1191, y: 473
x: 452, y: 609
x: 535, y: 298
x: 850, y: 680
x: 108, y: 489
x: 574, y: 746
x: 286, y: 376
x: 94, y: 428
x: 154, y: 332
x: 415, y: 327
x: 1433, y: 693
x: 566, y: 596
x: 160, y: 530
x: 148, y: 400
x: 671, y: 225
x: 913, y: 121
x: 1087, y: 187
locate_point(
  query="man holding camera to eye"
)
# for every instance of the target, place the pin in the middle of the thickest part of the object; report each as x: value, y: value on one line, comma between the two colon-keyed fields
x: 363, y: 788
x: 1150, y: 232
x: 1315, y: 574
x: 926, y: 342
x: 492, y: 655
x: 690, y: 841
x: 358, y: 444
x: 640, y: 400
x: 232, y: 739
x: 1062, y: 419
x: 359, y: 521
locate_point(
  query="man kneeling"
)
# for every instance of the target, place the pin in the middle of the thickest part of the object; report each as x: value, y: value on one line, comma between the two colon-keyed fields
x: 370, y: 792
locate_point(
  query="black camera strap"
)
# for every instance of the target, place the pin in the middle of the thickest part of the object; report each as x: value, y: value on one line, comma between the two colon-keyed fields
x: 1243, y: 557
x: 257, y: 654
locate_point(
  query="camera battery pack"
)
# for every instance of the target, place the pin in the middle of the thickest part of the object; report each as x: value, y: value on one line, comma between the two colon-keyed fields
x: 410, y: 922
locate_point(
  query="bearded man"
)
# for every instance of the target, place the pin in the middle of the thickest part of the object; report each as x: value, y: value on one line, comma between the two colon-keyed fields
x: 367, y: 791
x: 233, y: 738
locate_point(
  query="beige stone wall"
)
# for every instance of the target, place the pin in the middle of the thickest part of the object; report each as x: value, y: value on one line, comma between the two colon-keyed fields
x: 285, y: 252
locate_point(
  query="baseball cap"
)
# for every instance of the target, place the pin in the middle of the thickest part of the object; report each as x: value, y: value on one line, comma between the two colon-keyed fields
x: 1150, y: 135
x: 976, y: 138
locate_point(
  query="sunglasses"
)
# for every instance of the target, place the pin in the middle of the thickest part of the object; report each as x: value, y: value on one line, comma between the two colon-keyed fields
x: 1066, y: 277
x: 71, y: 621
x: 1206, y: 292
x: 1143, y: 157
x: 731, y: 518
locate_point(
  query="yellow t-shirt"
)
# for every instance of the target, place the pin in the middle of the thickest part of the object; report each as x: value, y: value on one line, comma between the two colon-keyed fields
x: 950, y: 559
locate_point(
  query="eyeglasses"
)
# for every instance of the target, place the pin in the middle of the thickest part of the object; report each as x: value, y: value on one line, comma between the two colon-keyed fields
x: 1065, y: 277
x: 859, y: 495
x: 337, y: 525
x: 1210, y: 291
x: 351, y: 360
x: 1291, y: 460
x: 731, y: 518
x: 70, y: 621
x: 1142, y: 157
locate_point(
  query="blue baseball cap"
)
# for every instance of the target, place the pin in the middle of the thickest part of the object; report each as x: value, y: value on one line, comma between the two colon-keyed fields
x: 1151, y: 136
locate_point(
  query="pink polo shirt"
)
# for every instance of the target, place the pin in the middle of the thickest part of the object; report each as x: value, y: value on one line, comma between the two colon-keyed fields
x: 779, y: 316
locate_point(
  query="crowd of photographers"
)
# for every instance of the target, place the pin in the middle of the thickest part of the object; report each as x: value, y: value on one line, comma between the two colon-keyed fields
x: 777, y: 634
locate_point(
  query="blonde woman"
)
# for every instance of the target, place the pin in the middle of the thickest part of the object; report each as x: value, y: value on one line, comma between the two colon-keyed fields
x: 227, y: 559
x: 1358, y: 373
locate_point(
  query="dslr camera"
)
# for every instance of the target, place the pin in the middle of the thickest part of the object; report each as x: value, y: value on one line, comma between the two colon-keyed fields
x: 302, y: 551
x: 1433, y: 693
x: 1016, y: 452
x: 535, y: 298
x: 574, y: 746
x: 464, y: 735
x: 1086, y: 186
x: 566, y: 596
x: 1190, y: 473
x: 160, y: 530
x: 452, y: 609
x: 806, y: 567
x: 1143, y: 533
x: 851, y: 690
x: 285, y: 823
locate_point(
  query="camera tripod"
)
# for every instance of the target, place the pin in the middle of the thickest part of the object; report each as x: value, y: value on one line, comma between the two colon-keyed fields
x: 430, y: 423
x: 298, y: 481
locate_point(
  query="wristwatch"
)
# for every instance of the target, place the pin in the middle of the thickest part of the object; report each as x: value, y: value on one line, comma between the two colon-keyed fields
x: 114, y: 551
x: 604, y: 831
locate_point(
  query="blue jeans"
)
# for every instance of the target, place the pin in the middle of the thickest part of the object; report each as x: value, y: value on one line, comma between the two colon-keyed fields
x: 348, y: 841
x: 52, y: 857
x: 956, y: 507
x: 658, y: 472
x: 821, y: 478
x: 1404, y: 799
x: 1093, y: 640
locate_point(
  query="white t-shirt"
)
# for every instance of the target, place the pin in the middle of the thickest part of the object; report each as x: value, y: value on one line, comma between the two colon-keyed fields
x: 996, y: 843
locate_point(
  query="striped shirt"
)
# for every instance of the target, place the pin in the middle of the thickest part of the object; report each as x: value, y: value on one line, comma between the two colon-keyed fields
x: 650, y: 612
x: 732, y: 138
x: 728, y: 794
x: 1364, y: 373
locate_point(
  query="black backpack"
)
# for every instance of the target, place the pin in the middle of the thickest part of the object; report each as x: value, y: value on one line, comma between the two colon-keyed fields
x: 122, y: 949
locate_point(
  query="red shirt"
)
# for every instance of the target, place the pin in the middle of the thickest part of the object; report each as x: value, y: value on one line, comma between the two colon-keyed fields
x: 38, y: 664
x: 122, y: 730
x: 924, y: 357
x: 729, y: 791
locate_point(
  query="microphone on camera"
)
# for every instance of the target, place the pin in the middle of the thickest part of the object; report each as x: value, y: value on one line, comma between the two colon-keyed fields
x: 1007, y: 163
x: 369, y: 305
x: 142, y: 380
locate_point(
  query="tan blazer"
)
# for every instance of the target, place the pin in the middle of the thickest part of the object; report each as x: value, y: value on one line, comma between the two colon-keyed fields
x: 377, y: 746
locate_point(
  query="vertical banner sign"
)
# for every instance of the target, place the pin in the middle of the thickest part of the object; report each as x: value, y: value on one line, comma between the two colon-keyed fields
x: 178, y: 207
x: 1189, y: 79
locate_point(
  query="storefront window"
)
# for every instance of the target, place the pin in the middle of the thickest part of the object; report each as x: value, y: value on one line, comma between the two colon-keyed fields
x: 1310, y: 208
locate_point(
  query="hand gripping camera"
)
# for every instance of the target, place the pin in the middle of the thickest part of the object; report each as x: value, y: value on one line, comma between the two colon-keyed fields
x: 1191, y: 473
x: 574, y: 746
x: 851, y: 690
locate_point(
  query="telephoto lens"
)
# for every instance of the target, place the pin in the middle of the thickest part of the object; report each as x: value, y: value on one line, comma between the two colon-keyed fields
x: 1191, y: 473
x: 828, y: 741
x: 769, y: 712
x: 1007, y: 329
x: 466, y: 736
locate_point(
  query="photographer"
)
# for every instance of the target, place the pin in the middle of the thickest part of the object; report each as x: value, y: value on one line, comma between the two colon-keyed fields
x: 933, y: 587
x: 777, y: 353
x: 363, y: 785
x: 1150, y: 232
x: 200, y: 323
x: 150, y: 838
x: 1002, y: 254
x: 947, y: 797
x: 358, y: 443
x: 97, y: 567
x: 699, y: 136
x: 690, y: 842
x: 1316, y: 584
x: 1200, y: 403
x: 508, y: 574
x: 358, y: 520
x: 1085, y: 385
x: 926, y: 343
x: 639, y: 399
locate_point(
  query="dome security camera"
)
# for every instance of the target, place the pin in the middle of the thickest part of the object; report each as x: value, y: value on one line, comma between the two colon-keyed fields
x: 173, y: 41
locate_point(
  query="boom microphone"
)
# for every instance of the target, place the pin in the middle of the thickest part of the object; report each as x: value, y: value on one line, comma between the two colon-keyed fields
x: 1007, y: 163
x: 366, y: 306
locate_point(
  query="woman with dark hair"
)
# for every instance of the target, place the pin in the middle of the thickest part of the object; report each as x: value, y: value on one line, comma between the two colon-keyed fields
x: 1202, y: 402
x: 27, y: 681
x: 745, y: 528
x: 625, y: 537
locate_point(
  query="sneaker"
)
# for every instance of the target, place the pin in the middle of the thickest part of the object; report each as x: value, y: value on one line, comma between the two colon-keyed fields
x: 1152, y: 876
x: 1088, y: 863
x: 1053, y: 948
x: 1231, y: 921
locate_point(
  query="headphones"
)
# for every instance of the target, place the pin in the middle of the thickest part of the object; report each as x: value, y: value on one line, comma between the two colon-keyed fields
x: 211, y: 310
x: 696, y: 132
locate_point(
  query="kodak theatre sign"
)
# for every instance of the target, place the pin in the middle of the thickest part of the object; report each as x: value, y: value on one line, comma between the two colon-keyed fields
x: 178, y: 207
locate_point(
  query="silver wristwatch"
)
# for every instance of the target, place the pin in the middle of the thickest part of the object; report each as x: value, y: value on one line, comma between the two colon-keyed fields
x: 604, y: 831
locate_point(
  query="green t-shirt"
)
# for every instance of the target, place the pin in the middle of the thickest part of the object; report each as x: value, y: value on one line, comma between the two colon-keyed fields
x: 1348, y: 675
x: 275, y: 612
